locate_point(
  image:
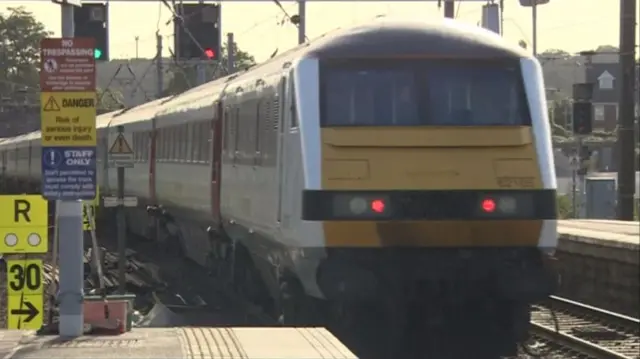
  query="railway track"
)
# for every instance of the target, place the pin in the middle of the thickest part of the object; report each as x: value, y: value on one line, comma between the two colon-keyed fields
x: 579, y: 330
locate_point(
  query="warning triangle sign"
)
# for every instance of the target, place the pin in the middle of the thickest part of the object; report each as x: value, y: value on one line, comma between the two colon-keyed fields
x: 121, y: 146
x: 51, y: 105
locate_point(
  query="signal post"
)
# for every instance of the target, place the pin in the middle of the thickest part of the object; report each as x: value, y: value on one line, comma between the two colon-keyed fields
x: 67, y: 82
x: 24, y: 230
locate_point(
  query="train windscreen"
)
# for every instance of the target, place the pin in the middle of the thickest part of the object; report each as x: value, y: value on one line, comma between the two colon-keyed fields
x: 425, y: 92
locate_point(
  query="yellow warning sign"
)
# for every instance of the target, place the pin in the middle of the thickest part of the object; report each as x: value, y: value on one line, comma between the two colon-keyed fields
x: 73, y: 124
x: 24, y: 276
x: 24, y: 294
x: 51, y: 105
x: 25, y: 312
x: 23, y: 225
x: 120, y: 146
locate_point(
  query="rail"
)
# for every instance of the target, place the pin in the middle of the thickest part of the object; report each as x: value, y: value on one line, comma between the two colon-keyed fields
x: 562, y: 324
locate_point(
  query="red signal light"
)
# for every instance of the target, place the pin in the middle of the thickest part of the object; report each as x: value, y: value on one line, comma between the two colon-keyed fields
x: 488, y: 205
x: 377, y: 205
x: 209, y: 53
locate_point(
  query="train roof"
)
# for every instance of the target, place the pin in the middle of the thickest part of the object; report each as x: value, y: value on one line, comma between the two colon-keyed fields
x: 445, y: 38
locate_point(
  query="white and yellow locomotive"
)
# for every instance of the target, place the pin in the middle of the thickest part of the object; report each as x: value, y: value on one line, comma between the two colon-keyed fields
x: 394, y: 166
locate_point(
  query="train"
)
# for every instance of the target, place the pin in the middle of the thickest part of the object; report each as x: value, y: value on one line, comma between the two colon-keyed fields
x: 398, y: 170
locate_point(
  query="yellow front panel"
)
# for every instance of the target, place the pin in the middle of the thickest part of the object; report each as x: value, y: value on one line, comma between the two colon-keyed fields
x: 434, y: 158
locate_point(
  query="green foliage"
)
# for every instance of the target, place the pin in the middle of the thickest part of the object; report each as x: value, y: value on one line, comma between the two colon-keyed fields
x: 184, y: 77
x: 20, y: 35
x: 565, y: 207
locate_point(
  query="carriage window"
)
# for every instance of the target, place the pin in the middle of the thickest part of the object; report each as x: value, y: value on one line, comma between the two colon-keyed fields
x: 206, y: 141
x: 195, y: 142
x: 424, y: 92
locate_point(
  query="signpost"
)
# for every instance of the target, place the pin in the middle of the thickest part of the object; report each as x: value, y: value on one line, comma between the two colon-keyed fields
x: 68, y: 112
x: 23, y: 228
x: 68, y: 116
x: 120, y: 151
x: 121, y: 156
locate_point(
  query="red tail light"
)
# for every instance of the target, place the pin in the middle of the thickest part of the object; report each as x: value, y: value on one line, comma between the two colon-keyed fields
x: 377, y: 205
x: 489, y: 205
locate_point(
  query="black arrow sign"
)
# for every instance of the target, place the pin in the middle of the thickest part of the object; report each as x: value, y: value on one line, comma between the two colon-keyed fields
x: 31, y: 311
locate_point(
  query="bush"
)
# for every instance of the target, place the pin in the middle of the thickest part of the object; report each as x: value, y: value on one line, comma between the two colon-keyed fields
x: 565, y: 207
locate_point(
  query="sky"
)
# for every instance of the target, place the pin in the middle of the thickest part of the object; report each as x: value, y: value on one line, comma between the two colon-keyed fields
x: 571, y: 25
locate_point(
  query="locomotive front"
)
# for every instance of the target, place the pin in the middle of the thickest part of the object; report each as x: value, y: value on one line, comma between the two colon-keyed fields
x: 438, y: 184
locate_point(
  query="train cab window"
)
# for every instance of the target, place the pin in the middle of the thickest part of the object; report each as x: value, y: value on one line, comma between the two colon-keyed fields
x: 422, y: 93
x: 479, y: 95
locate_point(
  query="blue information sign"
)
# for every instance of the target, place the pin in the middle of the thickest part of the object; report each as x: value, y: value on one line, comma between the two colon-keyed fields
x: 69, y: 173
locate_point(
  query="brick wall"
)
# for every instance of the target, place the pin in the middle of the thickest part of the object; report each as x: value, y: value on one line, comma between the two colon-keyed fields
x: 603, y: 277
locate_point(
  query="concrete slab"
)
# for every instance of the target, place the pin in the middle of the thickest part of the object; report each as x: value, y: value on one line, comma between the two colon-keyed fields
x: 614, y: 234
x: 187, y: 342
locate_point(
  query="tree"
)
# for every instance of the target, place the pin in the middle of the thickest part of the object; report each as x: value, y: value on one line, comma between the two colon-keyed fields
x: 20, y: 35
x: 607, y: 49
x: 184, y: 77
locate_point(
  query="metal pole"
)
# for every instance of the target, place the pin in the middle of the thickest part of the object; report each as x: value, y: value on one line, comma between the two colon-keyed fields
x: 201, y: 68
x: 231, y: 53
x: 71, y: 294
x: 626, y: 136
x: 574, y: 196
x: 302, y: 25
x: 534, y: 26
x: 159, y: 73
x: 581, y: 187
x: 449, y: 9
x: 137, y: 38
x: 122, y: 234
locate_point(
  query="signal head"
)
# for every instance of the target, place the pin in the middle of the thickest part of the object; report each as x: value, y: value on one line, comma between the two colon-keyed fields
x: 209, y: 53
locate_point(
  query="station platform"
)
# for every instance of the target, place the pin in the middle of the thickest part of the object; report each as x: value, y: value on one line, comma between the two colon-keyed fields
x: 177, y: 343
x: 617, y: 234
x: 599, y: 263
